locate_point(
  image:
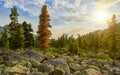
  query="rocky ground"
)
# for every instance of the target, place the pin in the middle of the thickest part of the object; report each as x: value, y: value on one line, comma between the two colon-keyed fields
x: 32, y: 63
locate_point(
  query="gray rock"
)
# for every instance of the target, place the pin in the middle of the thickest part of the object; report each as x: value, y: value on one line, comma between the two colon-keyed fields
x: 116, y: 71
x: 84, y: 65
x: 57, y: 72
x: 94, y: 67
x: 34, y: 70
x: 90, y: 72
x: 45, y: 68
x: 38, y: 73
x: 66, y: 73
x: 35, y: 63
x: 34, y: 55
x: 19, y: 69
x: 77, y: 73
x: 69, y: 60
x: 104, y: 72
x: 75, y: 67
x: 57, y: 63
x: 25, y: 63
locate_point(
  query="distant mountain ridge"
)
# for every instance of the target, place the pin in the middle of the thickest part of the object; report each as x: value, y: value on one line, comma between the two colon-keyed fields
x: 3, y: 27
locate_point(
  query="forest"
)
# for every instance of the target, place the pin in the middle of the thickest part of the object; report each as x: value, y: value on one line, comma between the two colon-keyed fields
x: 98, y: 44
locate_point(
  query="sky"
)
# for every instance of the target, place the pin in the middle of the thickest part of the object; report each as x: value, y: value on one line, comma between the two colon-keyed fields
x: 71, y: 17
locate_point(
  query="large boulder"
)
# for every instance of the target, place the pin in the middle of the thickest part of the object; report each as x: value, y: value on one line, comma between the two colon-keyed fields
x: 77, y: 73
x: 38, y: 73
x: 32, y: 55
x: 45, y: 68
x: 90, y: 72
x: 35, y: 63
x: 57, y: 72
x: 75, y: 67
x: 18, y: 69
x: 116, y: 71
x: 57, y: 63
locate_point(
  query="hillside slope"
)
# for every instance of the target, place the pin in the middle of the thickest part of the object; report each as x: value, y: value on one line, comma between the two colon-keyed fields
x: 32, y: 63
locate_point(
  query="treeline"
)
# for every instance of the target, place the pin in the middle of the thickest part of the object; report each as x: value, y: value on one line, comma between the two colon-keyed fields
x: 101, y: 42
x: 19, y: 36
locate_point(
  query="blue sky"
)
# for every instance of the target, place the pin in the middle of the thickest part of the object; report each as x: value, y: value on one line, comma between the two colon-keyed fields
x: 67, y: 16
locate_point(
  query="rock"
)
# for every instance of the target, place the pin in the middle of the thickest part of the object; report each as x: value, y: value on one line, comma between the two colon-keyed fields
x: 84, y: 65
x: 19, y: 70
x: 5, y: 70
x: 34, y: 70
x: 104, y: 72
x: 90, y: 72
x: 57, y: 63
x: 116, y: 71
x: 50, y: 57
x: 2, y: 66
x: 57, y: 72
x: 11, y: 63
x: 94, y: 67
x: 35, y: 63
x: 77, y: 73
x: 45, y: 68
x: 75, y: 67
x: 106, y: 67
x: 66, y: 73
x: 69, y: 60
x: 34, y: 55
x: 25, y: 63
x: 38, y: 73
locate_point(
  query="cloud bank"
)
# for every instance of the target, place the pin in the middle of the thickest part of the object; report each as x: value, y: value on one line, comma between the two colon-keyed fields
x: 102, y: 4
x: 57, y: 8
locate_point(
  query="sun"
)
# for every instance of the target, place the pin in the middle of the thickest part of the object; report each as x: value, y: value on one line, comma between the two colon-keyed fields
x: 101, y: 16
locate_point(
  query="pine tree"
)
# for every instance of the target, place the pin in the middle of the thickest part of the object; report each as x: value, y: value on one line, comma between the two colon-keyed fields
x: 4, y: 39
x: 14, y: 20
x: 16, y: 38
x: 73, y: 46
x: 43, y: 31
x: 114, y: 38
x: 19, y: 43
x: 13, y: 25
x: 28, y: 35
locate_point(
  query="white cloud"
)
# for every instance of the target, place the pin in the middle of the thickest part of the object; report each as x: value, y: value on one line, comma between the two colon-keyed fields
x: 32, y: 6
x: 101, y: 4
x: 59, y: 8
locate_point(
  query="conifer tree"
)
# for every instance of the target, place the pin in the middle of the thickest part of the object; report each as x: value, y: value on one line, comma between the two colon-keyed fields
x: 28, y: 35
x: 73, y: 46
x: 13, y: 25
x: 4, y: 39
x: 15, y: 30
x: 43, y: 32
x: 19, y: 36
x: 114, y: 38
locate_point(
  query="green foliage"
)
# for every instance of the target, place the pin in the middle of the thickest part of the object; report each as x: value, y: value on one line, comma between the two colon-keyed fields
x: 61, y: 42
x: 99, y: 56
x: 28, y: 35
x: 73, y: 47
x: 113, y: 38
x: 15, y: 31
x: 4, y: 39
